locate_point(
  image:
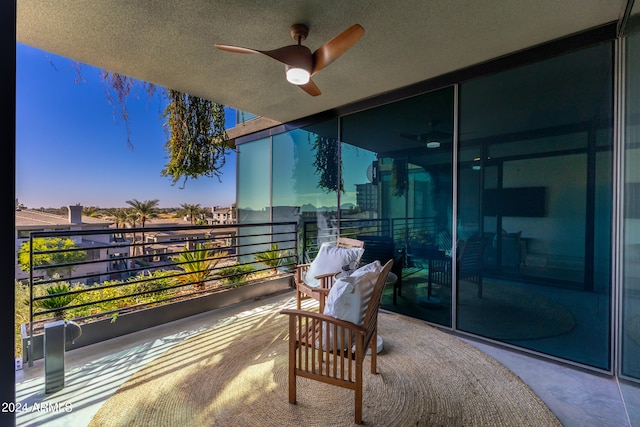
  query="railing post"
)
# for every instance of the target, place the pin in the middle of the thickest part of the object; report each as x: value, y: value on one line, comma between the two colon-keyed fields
x: 29, y: 348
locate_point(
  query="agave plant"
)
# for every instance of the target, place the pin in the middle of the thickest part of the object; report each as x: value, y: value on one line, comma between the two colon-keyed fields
x: 198, y: 265
x: 56, y: 302
x: 274, y: 257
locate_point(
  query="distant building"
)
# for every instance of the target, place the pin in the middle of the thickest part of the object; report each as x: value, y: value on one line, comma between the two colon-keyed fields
x: 367, y: 197
x: 32, y: 220
x: 222, y: 215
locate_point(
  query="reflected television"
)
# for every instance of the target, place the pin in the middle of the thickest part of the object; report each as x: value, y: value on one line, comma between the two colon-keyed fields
x: 516, y: 202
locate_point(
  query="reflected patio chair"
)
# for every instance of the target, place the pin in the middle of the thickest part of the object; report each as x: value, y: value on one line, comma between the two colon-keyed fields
x: 471, y: 260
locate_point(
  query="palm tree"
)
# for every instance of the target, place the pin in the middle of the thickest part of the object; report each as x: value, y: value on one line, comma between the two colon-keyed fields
x: 143, y: 211
x: 191, y: 211
x: 91, y: 211
x: 119, y: 216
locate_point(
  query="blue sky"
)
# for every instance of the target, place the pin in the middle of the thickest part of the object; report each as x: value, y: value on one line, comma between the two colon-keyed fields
x: 71, y: 148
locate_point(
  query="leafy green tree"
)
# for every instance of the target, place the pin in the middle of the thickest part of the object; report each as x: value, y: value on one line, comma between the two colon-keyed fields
x: 56, y: 250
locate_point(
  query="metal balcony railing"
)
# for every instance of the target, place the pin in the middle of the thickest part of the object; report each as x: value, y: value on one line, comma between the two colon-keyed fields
x: 89, y: 274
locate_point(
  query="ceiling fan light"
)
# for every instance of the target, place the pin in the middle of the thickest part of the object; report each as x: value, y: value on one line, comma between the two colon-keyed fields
x: 297, y: 76
x: 433, y: 144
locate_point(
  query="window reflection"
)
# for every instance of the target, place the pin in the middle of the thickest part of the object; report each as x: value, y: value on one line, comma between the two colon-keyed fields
x: 306, y: 181
x: 535, y: 187
x: 401, y: 153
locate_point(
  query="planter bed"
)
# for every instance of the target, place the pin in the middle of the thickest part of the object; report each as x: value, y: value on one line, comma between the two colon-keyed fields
x: 104, y: 329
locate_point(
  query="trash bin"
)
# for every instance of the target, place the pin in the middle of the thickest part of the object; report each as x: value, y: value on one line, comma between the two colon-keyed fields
x: 56, y: 335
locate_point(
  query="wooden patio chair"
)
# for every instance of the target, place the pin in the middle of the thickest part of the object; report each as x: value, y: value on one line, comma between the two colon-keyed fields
x: 326, y: 279
x: 332, y: 351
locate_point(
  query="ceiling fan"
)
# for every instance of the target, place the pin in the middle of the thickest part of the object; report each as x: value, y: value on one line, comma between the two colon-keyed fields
x: 432, y: 138
x: 299, y: 63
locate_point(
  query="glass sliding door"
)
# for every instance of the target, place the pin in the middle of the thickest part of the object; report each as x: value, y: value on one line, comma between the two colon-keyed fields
x: 534, y: 206
x: 630, y: 316
x: 400, y: 155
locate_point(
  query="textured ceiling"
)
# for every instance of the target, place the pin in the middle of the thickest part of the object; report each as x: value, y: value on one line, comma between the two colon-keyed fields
x: 171, y: 43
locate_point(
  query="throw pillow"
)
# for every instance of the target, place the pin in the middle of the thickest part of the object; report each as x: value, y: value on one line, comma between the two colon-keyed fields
x: 349, y: 298
x: 330, y: 259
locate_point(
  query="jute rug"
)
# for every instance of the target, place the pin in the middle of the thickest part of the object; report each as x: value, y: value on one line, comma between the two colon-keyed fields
x: 235, y: 374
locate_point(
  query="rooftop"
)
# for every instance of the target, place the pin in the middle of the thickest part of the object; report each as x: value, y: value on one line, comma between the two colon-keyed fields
x: 33, y: 218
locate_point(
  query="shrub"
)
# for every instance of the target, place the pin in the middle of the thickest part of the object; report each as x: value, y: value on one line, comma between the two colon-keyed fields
x: 274, y: 257
x: 197, y: 264
x: 235, y: 274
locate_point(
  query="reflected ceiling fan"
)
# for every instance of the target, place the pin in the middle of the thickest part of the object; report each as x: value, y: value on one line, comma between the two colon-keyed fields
x: 432, y: 138
x: 299, y: 63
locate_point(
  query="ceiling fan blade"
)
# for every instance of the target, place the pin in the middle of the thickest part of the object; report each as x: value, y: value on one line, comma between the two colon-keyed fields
x: 334, y: 48
x: 236, y: 49
x: 294, y: 55
x: 310, y: 88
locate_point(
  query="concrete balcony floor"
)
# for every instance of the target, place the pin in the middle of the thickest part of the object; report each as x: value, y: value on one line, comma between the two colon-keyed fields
x: 94, y: 373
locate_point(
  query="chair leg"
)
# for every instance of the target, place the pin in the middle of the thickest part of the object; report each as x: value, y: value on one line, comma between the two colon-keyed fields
x: 292, y: 363
x: 358, y: 394
x: 374, y: 353
x: 298, y: 299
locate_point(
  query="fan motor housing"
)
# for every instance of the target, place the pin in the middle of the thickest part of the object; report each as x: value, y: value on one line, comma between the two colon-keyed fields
x: 299, y: 32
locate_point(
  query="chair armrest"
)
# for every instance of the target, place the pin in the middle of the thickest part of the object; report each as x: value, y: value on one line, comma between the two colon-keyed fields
x: 301, y: 269
x: 326, y: 280
x: 322, y: 297
x: 324, y: 318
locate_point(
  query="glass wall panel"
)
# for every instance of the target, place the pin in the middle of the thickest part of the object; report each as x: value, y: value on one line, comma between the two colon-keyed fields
x: 534, y: 206
x: 254, y: 179
x: 254, y: 196
x: 401, y: 153
x: 359, y: 198
x: 630, y: 318
x: 305, y: 183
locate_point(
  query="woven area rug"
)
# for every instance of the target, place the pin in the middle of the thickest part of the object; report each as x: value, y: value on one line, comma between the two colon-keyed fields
x: 235, y: 374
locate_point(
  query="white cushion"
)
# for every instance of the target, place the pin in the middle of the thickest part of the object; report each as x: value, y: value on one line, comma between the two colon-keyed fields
x: 349, y: 297
x: 330, y: 259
